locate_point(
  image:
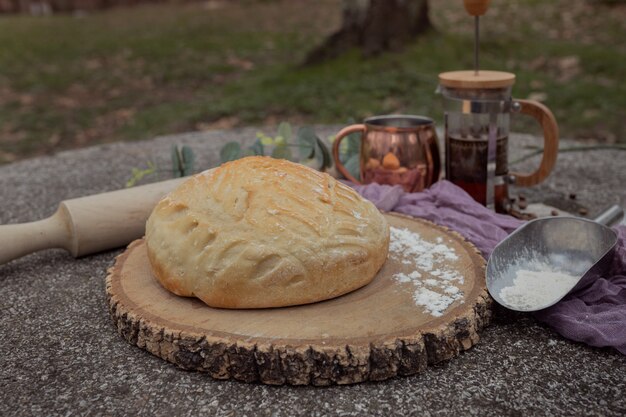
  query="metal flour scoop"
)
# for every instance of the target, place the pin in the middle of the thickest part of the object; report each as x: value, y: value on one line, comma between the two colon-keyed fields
x: 544, y: 248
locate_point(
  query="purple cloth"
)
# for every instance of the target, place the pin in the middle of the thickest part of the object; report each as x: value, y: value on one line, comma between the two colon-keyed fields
x: 595, y: 314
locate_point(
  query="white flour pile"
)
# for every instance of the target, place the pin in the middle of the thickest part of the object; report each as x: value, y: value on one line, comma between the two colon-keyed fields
x: 434, y: 294
x: 536, y: 289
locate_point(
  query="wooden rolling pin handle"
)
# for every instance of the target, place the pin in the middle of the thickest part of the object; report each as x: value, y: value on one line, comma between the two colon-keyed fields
x: 17, y: 240
x: 88, y: 224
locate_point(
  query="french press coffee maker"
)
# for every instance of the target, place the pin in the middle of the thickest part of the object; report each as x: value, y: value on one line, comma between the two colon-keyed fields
x: 477, y: 109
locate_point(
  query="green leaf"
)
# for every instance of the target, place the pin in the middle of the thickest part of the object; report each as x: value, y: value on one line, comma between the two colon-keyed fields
x: 311, y: 163
x: 230, y: 152
x: 264, y: 139
x: 354, y: 144
x: 257, y: 147
x: 353, y: 165
x: 188, y: 160
x: 306, y: 142
x: 138, y: 174
x: 351, y: 145
x: 328, y: 160
x: 247, y: 152
x: 319, y: 155
x: 177, y: 163
x: 284, y: 130
x: 282, y: 152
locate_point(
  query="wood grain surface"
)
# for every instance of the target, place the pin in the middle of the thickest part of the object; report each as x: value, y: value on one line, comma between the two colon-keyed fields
x: 373, y: 333
x: 469, y: 79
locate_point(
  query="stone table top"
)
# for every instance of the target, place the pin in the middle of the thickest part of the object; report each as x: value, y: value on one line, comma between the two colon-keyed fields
x: 61, y: 355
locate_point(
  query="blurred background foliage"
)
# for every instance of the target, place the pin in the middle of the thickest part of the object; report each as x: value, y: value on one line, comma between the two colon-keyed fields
x: 132, y: 72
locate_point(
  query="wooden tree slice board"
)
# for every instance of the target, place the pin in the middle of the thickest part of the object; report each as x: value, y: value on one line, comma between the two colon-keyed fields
x: 373, y: 333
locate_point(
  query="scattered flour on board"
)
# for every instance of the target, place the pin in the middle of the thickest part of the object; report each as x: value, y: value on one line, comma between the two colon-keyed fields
x: 536, y: 289
x: 432, y: 258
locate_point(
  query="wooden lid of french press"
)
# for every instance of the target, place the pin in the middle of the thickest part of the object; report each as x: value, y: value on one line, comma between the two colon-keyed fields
x: 476, y: 80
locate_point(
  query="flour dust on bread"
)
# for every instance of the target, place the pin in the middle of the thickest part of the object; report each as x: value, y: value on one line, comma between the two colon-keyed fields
x: 262, y: 232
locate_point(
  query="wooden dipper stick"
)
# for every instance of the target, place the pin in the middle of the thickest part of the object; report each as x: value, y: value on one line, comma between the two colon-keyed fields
x: 87, y: 224
x: 476, y: 7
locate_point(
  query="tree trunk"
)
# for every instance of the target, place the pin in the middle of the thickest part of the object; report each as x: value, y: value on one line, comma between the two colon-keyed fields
x: 374, y: 26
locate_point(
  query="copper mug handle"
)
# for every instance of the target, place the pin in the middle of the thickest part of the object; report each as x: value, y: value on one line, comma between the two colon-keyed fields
x: 342, y: 134
x: 550, y: 143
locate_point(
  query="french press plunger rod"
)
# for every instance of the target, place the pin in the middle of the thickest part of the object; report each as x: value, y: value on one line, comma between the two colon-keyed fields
x: 477, y: 106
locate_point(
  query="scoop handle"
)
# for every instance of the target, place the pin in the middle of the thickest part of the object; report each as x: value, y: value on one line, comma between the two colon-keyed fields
x: 611, y: 216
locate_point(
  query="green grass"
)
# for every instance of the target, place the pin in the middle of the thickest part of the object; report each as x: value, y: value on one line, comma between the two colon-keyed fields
x: 134, y: 73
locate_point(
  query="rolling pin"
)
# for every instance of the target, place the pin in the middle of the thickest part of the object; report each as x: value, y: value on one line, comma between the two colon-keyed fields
x: 87, y: 225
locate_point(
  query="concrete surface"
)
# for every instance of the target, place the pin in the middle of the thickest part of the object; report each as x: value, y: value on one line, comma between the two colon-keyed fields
x: 60, y: 354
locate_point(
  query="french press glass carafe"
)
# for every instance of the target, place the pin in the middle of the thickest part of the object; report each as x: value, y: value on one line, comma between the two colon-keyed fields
x: 477, y: 108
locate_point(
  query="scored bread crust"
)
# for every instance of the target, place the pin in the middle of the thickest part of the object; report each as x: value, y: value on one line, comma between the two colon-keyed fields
x: 263, y: 232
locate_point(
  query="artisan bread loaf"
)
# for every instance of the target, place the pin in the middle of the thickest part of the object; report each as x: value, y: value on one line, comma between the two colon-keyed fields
x: 263, y: 232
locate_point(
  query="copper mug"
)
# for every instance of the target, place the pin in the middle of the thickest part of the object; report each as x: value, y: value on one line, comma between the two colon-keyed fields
x: 395, y: 150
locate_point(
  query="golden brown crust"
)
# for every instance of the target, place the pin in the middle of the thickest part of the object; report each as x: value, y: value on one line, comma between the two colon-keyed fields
x: 261, y: 232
